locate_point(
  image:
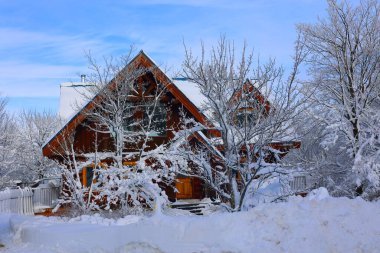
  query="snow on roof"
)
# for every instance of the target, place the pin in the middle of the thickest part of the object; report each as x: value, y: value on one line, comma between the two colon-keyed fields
x: 72, y: 97
x: 210, y: 144
x: 191, y: 90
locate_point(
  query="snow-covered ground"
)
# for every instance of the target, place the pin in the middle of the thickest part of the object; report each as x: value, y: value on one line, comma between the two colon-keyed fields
x: 317, y: 223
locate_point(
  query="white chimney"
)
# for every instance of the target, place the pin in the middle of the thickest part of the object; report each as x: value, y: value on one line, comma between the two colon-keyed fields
x: 73, y: 96
x: 83, y: 78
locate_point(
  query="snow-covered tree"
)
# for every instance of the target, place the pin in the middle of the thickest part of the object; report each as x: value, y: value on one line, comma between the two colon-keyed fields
x: 8, y: 152
x: 253, y: 108
x: 22, y: 138
x: 328, y: 167
x: 133, y: 189
x: 367, y: 160
x: 129, y: 189
x: 126, y: 107
x: 34, y: 130
x: 344, y: 65
x: 74, y: 192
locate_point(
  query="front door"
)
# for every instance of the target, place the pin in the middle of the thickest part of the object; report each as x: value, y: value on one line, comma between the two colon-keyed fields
x: 185, y: 188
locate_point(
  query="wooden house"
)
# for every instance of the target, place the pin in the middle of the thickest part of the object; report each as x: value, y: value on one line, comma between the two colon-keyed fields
x: 180, y: 95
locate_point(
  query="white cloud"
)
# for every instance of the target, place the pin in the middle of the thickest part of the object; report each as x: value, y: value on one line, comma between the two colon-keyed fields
x: 22, y: 43
x: 33, y: 61
x: 27, y: 79
x: 19, y: 70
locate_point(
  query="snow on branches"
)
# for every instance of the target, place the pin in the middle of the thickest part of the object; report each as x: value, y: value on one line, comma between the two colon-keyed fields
x: 344, y: 85
x: 252, y: 108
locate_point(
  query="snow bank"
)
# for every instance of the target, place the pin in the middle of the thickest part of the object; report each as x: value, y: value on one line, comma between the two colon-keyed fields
x: 313, y: 224
x: 318, y: 194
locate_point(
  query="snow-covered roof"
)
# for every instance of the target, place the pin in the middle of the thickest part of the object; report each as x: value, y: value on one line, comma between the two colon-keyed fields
x: 191, y: 90
x: 73, y: 96
x: 210, y: 144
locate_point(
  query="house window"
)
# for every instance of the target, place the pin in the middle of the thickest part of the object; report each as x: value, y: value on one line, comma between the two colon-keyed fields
x: 138, y: 117
x: 129, y: 119
x: 245, y: 117
x: 88, y: 176
x: 158, y: 123
x: 129, y: 124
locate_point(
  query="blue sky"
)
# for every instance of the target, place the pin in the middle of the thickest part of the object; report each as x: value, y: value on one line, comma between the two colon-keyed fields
x: 42, y: 43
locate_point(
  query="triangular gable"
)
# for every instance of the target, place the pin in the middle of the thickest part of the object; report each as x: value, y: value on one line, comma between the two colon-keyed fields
x: 250, y: 88
x: 141, y: 59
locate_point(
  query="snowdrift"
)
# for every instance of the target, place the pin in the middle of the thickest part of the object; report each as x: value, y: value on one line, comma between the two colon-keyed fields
x: 317, y: 223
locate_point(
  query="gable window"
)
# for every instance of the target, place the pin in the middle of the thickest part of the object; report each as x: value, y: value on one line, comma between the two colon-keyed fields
x: 245, y: 117
x: 158, y: 121
x: 129, y: 118
x: 136, y: 118
x: 129, y: 124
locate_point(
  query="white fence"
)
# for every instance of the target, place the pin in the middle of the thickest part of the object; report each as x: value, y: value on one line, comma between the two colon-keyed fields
x: 298, y: 183
x: 16, y: 201
x: 45, y: 195
x: 27, y: 200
